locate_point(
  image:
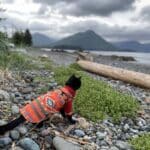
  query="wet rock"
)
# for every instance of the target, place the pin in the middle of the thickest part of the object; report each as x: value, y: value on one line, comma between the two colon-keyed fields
x: 79, y: 133
x: 14, y: 134
x: 5, y: 141
x: 123, y: 145
x: 61, y: 144
x: 29, y: 144
x: 15, y: 109
x: 4, y: 96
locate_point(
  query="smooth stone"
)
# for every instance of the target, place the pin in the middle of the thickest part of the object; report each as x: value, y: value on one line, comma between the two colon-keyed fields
x: 100, y: 135
x: 83, y: 123
x: 126, y: 127
x: 60, y: 144
x: 14, y: 135
x: 27, y: 90
x: 17, y: 94
x: 123, y: 145
x: 2, y: 122
x: 4, y: 95
x: 5, y: 141
x: 29, y: 144
x: 79, y: 133
x: 15, y: 109
x: 134, y: 131
x: 22, y: 129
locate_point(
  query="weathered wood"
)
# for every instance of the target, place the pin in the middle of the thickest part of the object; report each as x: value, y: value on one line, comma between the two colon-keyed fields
x: 137, y: 78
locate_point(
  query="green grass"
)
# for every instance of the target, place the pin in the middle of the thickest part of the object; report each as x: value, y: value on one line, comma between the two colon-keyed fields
x: 142, y: 142
x: 19, y: 61
x: 95, y: 99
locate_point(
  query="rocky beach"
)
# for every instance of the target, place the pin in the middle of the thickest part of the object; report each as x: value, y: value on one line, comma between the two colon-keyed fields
x: 18, y: 88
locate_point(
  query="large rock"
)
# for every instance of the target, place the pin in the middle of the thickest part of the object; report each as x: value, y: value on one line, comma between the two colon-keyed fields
x: 61, y: 144
x: 5, y: 141
x: 4, y: 96
x: 29, y: 144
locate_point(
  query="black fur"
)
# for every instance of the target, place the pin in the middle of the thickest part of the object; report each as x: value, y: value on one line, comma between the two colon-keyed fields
x: 14, y: 123
x: 74, y: 82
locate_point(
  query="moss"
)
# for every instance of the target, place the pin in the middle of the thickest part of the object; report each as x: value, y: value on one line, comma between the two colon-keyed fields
x: 142, y: 142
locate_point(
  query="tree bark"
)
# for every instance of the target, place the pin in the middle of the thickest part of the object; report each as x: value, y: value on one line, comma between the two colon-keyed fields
x: 136, y: 78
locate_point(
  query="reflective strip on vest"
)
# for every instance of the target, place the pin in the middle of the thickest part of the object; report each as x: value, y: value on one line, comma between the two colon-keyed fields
x: 27, y: 115
x: 42, y: 108
x: 36, y: 111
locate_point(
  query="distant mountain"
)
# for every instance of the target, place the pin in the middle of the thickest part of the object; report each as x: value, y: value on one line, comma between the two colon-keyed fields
x: 87, y: 40
x: 133, y: 46
x: 41, y: 40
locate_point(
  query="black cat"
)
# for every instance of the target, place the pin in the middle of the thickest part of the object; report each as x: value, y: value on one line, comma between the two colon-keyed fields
x: 66, y: 95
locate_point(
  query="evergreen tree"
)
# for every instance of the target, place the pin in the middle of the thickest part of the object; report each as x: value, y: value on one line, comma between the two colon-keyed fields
x: 27, y: 38
x: 18, y: 38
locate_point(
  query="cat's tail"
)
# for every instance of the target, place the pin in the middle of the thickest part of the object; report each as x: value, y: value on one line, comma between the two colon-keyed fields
x: 11, y: 125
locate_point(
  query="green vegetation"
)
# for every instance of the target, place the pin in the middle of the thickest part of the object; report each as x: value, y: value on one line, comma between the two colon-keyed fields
x: 96, y: 99
x: 142, y: 142
x: 18, y: 61
x: 3, y: 42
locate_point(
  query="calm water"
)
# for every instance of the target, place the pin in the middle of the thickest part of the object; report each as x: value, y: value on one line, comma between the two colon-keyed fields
x: 143, y: 58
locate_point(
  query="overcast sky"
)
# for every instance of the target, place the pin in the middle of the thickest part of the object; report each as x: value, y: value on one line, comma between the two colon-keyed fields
x: 115, y: 20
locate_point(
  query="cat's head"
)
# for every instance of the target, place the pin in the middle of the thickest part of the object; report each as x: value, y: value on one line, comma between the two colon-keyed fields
x: 74, y: 82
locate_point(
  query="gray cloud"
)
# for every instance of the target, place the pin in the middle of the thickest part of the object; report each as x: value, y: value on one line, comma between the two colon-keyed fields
x: 145, y: 13
x: 86, y: 7
x: 39, y: 26
x: 111, y: 33
x: 7, y: 1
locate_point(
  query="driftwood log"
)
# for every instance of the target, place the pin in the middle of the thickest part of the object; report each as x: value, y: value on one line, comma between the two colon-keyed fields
x: 136, y: 78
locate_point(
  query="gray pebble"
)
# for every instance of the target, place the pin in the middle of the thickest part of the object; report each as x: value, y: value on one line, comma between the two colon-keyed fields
x: 5, y: 141
x: 29, y: 144
x: 15, y: 109
x: 100, y: 135
x: 22, y: 129
x: 79, y: 133
x: 14, y: 135
x: 123, y: 145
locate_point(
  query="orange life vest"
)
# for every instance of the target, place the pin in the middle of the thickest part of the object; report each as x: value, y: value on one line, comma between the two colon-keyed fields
x: 49, y: 103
